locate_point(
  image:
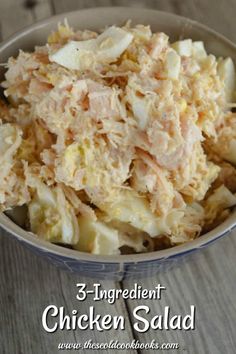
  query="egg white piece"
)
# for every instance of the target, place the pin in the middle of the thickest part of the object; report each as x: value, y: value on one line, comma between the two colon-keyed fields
x: 184, y: 47
x: 229, y: 154
x: 199, y: 51
x: 189, y: 48
x: 173, y: 65
x: 107, y: 47
x: 141, y: 111
x: 97, y: 238
x: 226, y: 71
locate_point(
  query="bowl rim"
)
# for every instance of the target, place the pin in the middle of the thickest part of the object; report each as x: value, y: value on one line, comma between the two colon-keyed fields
x: 60, y: 251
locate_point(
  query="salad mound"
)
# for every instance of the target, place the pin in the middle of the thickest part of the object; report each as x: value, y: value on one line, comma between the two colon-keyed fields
x: 118, y: 141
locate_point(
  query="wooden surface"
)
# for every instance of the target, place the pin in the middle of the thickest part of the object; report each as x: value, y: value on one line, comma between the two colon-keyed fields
x: 208, y: 280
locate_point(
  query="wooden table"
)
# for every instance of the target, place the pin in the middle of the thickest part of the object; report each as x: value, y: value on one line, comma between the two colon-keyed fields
x: 208, y: 280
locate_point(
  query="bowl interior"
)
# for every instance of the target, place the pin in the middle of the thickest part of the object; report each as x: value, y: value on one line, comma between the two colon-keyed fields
x: 94, y: 19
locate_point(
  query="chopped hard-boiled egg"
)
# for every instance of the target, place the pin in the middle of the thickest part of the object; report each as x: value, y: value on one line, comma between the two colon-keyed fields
x: 51, y: 217
x: 10, y: 140
x: 226, y: 71
x: 184, y: 47
x: 135, y: 210
x: 140, y: 108
x: 199, y: 51
x: 229, y: 151
x: 97, y: 238
x: 188, y: 48
x: 173, y: 65
x: 107, y: 47
x: 218, y: 201
x: 222, y: 196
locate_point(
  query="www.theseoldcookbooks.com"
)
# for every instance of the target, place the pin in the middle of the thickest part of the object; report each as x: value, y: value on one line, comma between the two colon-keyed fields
x: 55, y: 318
